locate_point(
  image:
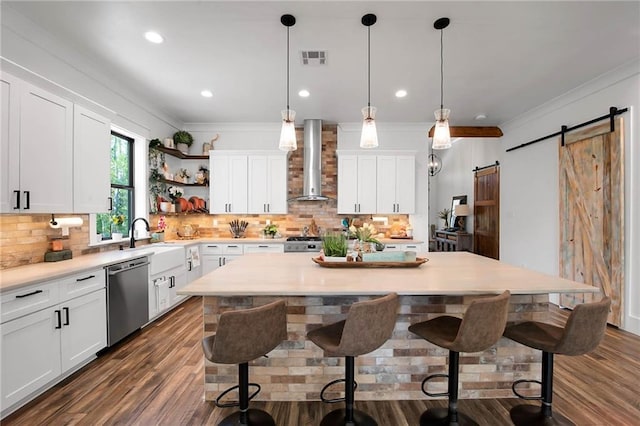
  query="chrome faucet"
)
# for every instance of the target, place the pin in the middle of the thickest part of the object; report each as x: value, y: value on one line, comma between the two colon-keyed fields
x: 132, y: 241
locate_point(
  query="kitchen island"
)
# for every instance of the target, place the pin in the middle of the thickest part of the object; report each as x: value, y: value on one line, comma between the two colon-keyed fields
x: 447, y: 283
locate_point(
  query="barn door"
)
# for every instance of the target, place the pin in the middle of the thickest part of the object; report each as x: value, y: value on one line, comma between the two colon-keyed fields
x: 486, y: 212
x: 592, y: 214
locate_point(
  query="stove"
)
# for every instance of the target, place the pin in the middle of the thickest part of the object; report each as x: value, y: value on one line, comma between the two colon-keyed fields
x: 302, y: 244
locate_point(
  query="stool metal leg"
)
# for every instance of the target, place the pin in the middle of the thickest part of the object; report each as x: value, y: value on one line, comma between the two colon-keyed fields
x: 527, y: 414
x: 449, y: 415
x: 348, y: 416
x: 246, y: 416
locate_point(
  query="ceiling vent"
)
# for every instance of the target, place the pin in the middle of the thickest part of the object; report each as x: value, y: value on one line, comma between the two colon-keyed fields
x: 314, y: 57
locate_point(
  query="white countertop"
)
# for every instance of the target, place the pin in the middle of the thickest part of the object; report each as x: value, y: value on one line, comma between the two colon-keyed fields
x: 450, y: 273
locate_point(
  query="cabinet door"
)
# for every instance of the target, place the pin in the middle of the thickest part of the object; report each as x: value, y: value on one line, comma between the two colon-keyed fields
x: 30, y: 354
x: 367, y: 184
x: 179, y: 282
x: 258, y: 192
x: 277, y: 181
x: 210, y: 263
x: 405, y: 184
x: 84, y: 328
x: 46, y: 155
x: 347, y: 184
x: 386, y: 186
x: 91, y: 161
x: 219, y: 184
x: 238, y: 188
x: 9, y: 144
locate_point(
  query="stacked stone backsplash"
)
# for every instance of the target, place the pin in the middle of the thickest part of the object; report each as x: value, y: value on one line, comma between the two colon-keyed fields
x: 24, y: 239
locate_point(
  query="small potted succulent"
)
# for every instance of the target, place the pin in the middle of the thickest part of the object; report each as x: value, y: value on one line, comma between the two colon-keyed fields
x: 334, y: 248
x: 183, y: 140
x: 270, y: 231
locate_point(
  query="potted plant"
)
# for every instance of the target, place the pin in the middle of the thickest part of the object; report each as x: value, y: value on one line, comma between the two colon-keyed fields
x: 334, y: 247
x: 117, y: 220
x: 154, y: 143
x: 175, y: 193
x: 270, y: 231
x: 365, y: 235
x: 444, y: 215
x: 183, y: 140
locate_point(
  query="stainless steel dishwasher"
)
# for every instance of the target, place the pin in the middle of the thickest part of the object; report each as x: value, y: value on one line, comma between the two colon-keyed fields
x: 127, y: 298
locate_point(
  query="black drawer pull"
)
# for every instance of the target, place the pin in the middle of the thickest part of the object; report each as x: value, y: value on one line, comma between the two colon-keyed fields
x: 17, y: 206
x: 20, y: 296
x: 66, y: 316
x: 59, y: 319
x: 85, y: 278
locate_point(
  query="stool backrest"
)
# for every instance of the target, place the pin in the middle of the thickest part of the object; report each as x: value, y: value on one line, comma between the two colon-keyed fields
x: 368, y: 325
x: 483, y: 323
x: 246, y: 334
x: 585, y: 328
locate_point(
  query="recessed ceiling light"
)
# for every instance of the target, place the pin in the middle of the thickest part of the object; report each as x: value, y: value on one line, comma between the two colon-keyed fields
x: 153, y: 37
x: 481, y: 117
x: 401, y: 93
x: 304, y: 93
x: 206, y: 93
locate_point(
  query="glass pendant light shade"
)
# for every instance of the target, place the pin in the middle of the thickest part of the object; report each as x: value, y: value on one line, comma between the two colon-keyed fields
x: 288, y: 132
x: 369, y: 137
x: 441, y: 135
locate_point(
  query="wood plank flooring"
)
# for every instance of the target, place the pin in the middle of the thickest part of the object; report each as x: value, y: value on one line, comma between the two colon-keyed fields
x: 155, y: 377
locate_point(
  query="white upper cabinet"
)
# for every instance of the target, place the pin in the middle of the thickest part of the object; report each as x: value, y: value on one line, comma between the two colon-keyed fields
x: 356, y: 183
x: 36, y: 148
x: 91, y: 161
x: 228, y: 183
x: 396, y: 184
x: 267, y: 184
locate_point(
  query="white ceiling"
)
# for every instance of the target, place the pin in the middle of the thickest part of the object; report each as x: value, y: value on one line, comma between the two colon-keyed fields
x: 501, y: 58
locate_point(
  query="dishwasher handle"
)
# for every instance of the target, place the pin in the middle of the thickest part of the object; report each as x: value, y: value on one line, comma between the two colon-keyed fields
x: 117, y: 269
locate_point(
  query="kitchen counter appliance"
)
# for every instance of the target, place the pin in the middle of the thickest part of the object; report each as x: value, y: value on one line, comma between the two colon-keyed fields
x: 302, y: 244
x: 127, y: 298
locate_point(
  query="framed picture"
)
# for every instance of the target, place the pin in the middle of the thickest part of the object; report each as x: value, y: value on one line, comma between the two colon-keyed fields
x: 458, y: 199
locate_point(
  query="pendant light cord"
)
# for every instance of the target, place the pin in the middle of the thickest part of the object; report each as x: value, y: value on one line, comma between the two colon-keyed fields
x: 441, y: 71
x: 288, y: 118
x: 368, y: 70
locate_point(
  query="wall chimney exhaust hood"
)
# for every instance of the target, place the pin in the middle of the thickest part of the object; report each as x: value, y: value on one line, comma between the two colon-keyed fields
x: 312, y: 166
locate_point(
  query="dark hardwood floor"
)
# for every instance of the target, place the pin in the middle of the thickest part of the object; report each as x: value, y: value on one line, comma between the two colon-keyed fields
x: 155, y: 377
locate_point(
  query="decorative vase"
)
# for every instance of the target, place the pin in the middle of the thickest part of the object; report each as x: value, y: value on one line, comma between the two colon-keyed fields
x: 335, y: 259
x: 116, y: 236
x: 178, y: 208
x: 183, y: 147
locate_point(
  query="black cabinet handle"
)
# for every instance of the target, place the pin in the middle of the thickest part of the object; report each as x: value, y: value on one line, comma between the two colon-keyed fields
x: 59, y: 319
x: 27, y: 205
x: 20, y: 296
x: 190, y: 266
x: 85, y: 278
x: 17, y: 206
x: 110, y: 203
x: 66, y: 316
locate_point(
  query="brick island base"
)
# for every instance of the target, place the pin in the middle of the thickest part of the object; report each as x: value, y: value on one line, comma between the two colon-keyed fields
x: 297, y: 370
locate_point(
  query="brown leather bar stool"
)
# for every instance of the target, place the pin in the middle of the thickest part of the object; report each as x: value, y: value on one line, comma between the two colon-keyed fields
x: 581, y: 334
x: 368, y: 325
x: 242, y: 336
x: 479, y: 329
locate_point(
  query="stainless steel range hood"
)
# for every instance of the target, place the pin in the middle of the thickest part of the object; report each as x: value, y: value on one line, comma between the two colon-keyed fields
x: 312, y: 166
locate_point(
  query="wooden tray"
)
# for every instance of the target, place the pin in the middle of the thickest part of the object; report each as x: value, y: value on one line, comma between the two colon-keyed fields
x: 419, y: 261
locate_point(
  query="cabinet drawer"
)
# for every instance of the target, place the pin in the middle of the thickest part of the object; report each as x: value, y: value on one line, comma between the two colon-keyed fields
x: 84, y: 283
x: 232, y: 249
x: 264, y: 248
x: 211, y: 248
x: 29, y: 299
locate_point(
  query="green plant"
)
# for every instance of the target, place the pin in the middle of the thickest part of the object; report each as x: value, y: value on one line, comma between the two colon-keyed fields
x: 444, y: 215
x: 334, y: 245
x: 271, y: 230
x: 154, y: 143
x: 182, y: 136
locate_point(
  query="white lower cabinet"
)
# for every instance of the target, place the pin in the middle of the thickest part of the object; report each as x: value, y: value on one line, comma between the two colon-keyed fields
x: 39, y: 347
x: 263, y: 248
x: 215, y: 256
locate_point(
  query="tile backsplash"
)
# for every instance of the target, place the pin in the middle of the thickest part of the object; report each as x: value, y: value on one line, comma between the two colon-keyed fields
x: 24, y: 239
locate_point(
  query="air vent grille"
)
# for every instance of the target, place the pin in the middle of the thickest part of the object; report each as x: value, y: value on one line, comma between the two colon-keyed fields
x: 313, y: 57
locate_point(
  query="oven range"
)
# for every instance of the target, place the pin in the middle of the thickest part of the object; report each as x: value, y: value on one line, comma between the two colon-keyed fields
x: 302, y: 244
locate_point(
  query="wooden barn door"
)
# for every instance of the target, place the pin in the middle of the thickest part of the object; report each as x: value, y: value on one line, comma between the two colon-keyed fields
x: 592, y: 214
x: 486, y: 212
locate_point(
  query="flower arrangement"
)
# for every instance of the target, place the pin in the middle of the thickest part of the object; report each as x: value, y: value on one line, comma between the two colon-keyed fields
x: 270, y: 230
x: 118, y: 219
x: 175, y: 192
x: 162, y: 224
x: 365, y: 233
x: 444, y: 215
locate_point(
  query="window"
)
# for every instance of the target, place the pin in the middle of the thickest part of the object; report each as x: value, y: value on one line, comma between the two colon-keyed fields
x: 122, y: 189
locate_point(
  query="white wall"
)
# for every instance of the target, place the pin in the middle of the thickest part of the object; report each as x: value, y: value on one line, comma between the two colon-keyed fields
x: 400, y: 136
x: 529, y: 178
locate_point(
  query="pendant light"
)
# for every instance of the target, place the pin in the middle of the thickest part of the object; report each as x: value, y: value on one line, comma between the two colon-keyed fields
x: 288, y: 132
x: 441, y: 135
x: 369, y: 137
x: 434, y: 165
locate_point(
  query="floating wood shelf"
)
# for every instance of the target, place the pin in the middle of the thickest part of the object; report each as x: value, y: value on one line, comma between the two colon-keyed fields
x: 180, y: 154
x: 173, y: 182
x: 472, y: 131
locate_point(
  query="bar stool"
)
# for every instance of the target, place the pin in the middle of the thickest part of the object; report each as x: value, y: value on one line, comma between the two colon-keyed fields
x: 242, y: 336
x: 582, y: 333
x: 368, y: 325
x: 479, y: 329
